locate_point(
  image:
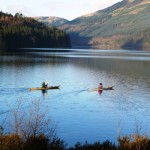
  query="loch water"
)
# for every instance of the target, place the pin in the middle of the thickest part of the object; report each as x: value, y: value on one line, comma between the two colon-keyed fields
x: 79, y: 112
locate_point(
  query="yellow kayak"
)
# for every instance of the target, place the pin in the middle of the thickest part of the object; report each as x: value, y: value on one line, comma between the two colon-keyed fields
x: 106, y: 88
x: 48, y: 88
x: 101, y: 89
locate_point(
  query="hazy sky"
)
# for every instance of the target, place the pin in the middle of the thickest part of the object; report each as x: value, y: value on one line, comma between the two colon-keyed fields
x: 68, y: 9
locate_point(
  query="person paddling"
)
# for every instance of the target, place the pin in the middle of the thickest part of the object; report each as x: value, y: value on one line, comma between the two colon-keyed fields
x: 100, y: 87
x: 44, y: 85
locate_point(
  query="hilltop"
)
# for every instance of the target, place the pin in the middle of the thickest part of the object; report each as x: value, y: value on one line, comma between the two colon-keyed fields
x: 124, y: 25
x: 52, y: 21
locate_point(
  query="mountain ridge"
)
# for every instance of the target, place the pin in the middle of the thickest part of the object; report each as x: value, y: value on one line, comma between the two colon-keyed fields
x: 125, y: 24
x: 51, y: 20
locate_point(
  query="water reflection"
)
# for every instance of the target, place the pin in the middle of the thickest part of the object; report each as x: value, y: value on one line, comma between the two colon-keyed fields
x: 45, y: 93
x: 100, y: 92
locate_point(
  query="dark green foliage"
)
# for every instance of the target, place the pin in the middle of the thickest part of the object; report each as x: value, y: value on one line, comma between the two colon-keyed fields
x: 57, y: 144
x: 95, y: 146
x: 37, y: 143
x: 18, y: 32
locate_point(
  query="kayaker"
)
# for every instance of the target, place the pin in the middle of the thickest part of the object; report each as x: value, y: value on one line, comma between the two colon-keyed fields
x: 44, y: 85
x: 100, y: 86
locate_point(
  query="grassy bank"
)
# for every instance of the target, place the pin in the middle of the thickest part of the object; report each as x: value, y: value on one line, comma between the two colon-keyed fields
x: 42, y: 142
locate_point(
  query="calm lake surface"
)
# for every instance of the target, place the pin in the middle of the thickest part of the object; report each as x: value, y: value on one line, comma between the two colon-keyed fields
x: 79, y: 113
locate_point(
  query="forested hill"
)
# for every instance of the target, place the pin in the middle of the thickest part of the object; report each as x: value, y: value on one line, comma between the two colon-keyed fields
x: 20, y: 32
x: 126, y: 24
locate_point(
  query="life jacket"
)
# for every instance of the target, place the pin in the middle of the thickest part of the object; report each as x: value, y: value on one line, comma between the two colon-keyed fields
x: 100, y: 87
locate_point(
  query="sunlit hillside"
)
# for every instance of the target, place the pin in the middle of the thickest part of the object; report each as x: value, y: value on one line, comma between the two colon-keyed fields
x: 51, y: 21
x: 123, y: 25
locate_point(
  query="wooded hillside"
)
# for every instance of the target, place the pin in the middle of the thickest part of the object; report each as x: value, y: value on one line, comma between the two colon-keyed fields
x: 126, y: 24
x: 20, y: 32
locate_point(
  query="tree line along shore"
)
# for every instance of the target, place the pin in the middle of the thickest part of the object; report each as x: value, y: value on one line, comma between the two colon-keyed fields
x: 23, y: 32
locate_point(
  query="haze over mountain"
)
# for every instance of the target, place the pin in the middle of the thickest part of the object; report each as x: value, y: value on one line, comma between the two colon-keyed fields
x: 52, y: 21
x: 123, y: 25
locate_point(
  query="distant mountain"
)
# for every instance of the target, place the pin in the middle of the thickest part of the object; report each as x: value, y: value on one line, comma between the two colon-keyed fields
x: 52, y: 21
x: 123, y: 25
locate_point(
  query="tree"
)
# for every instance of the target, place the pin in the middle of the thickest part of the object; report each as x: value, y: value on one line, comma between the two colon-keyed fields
x: 19, y: 15
x: 32, y: 121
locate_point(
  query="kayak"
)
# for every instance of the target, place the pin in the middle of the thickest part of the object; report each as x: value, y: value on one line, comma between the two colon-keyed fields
x: 48, y: 88
x: 104, y: 88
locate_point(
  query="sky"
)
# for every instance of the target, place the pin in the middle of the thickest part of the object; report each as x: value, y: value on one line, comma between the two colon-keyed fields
x: 68, y: 9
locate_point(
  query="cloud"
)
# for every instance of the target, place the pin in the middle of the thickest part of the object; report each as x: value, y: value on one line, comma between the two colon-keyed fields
x: 74, y: 8
x: 17, y: 8
x: 104, y: 4
x: 68, y: 9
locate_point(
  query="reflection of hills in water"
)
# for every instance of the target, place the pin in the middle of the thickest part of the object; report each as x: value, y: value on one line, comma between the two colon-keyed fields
x: 125, y: 62
x: 115, y: 66
x: 134, y: 72
x: 54, y: 53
